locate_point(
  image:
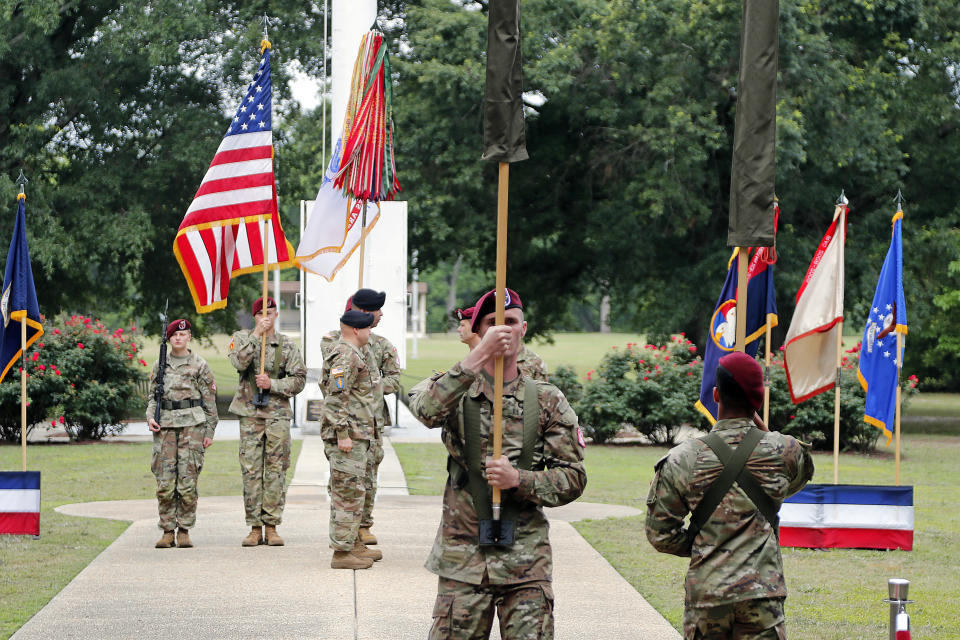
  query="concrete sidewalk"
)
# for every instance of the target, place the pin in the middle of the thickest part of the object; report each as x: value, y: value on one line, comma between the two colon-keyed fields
x: 220, y: 590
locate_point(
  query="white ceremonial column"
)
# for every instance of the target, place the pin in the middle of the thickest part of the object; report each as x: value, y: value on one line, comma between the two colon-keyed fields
x: 322, y: 302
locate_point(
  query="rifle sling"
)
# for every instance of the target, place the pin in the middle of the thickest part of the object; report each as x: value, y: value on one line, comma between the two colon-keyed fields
x: 734, y: 463
x: 472, y: 476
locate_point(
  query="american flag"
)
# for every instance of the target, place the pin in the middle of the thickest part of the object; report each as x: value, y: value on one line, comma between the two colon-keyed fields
x: 221, y: 235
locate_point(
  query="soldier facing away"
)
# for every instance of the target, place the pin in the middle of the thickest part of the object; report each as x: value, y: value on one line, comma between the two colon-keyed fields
x: 188, y: 418
x: 734, y: 586
x: 265, y: 430
x: 385, y: 358
x: 349, y: 428
x: 541, y: 466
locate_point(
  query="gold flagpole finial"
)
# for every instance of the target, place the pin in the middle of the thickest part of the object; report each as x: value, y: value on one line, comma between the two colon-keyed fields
x: 22, y: 182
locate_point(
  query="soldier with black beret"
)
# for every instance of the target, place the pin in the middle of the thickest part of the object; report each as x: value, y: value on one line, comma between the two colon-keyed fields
x: 385, y: 357
x: 349, y: 427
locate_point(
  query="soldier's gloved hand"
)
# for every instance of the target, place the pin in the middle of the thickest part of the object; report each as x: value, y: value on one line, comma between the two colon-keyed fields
x: 501, y: 474
x: 263, y: 380
x: 152, y: 425
x: 345, y: 445
x: 207, y: 442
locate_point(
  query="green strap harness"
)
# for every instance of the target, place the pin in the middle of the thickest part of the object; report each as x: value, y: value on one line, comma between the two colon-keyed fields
x: 277, y: 358
x: 472, y: 476
x: 734, y: 463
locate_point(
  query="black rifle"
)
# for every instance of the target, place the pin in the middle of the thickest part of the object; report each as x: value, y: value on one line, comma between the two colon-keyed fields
x: 161, y: 366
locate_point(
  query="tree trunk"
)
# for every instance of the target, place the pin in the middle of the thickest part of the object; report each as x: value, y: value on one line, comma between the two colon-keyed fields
x: 605, y: 313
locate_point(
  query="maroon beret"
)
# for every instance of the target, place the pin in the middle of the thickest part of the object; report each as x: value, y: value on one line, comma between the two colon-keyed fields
x: 178, y: 325
x: 488, y: 304
x: 747, y: 373
x: 464, y: 314
x: 258, y: 305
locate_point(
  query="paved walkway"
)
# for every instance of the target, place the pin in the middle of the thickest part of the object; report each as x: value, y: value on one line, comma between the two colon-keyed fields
x: 220, y: 590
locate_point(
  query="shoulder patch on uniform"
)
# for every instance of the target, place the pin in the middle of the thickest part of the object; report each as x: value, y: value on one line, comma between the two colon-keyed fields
x: 213, y: 387
x: 580, y: 439
x: 336, y: 371
x: 230, y: 346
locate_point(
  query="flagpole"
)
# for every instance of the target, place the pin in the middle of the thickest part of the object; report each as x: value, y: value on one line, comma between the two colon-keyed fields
x: 742, y: 267
x: 263, y: 298
x: 896, y: 420
x: 363, y: 243
x: 501, y: 283
x: 22, y: 181
x: 841, y: 203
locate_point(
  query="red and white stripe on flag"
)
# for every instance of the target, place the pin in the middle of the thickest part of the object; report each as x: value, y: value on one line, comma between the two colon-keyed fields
x: 848, y: 516
x: 221, y: 235
x: 20, y: 503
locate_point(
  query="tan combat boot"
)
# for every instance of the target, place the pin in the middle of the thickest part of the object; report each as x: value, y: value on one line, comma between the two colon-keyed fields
x: 253, y: 538
x: 346, y: 560
x: 272, y: 538
x: 183, y: 538
x: 366, y: 537
x: 361, y: 550
x: 166, y: 541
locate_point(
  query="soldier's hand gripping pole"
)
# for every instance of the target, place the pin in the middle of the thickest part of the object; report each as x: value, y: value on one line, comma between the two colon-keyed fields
x: 161, y: 364
x: 260, y: 398
x: 496, y: 531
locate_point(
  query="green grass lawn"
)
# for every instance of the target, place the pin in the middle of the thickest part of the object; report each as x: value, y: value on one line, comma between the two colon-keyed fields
x: 834, y: 595
x: 33, y: 571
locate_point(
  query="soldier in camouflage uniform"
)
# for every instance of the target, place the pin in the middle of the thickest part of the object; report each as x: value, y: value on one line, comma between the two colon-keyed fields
x: 532, y: 365
x: 265, y: 431
x: 734, y: 586
x: 385, y: 357
x: 349, y: 427
x: 515, y: 581
x: 188, y: 418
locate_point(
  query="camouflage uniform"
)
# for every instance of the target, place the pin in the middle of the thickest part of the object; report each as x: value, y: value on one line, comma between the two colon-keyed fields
x: 178, y: 446
x: 385, y: 356
x: 475, y: 579
x: 265, y: 433
x: 349, y: 411
x: 735, y: 580
x: 532, y: 365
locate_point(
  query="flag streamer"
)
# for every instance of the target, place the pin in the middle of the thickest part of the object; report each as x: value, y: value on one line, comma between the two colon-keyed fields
x: 368, y: 169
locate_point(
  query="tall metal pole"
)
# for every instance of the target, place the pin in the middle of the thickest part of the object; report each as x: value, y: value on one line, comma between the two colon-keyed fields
x: 415, y: 302
x: 842, y: 225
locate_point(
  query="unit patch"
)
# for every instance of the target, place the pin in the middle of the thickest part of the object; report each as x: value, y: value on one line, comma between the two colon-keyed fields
x: 337, y: 373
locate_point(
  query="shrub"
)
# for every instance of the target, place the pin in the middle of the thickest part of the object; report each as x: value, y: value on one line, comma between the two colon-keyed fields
x: 85, y: 377
x: 651, y: 388
x: 565, y: 379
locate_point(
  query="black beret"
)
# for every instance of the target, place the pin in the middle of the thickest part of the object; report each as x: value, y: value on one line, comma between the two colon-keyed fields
x: 369, y: 299
x: 357, y: 319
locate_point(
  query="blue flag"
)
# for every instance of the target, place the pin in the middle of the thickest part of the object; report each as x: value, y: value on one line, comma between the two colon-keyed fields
x: 722, y: 335
x: 18, y: 302
x: 879, y: 361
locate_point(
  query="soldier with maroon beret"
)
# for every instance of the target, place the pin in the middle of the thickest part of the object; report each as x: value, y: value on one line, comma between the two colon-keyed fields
x: 476, y: 580
x: 188, y: 418
x: 734, y: 586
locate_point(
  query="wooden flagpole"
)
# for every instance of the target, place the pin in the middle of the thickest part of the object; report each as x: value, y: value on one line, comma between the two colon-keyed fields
x: 836, y: 407
x: 263, y: 338
x: 23, y: 389
x: 363, y: 241
x: 896, y: 421
x: 841, y: 203
x: 501, y: 283
x: 742, y: 267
